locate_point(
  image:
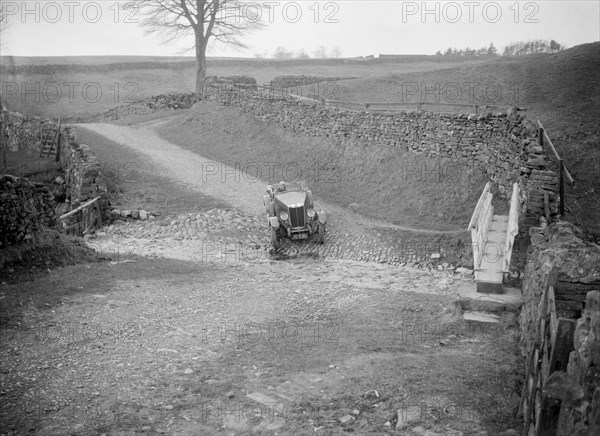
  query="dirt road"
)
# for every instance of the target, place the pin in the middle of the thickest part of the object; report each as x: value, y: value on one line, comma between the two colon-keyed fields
x: 194, y: 328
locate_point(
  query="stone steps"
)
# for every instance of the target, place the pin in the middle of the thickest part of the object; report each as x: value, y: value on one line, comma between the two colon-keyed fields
x: 476, y: 306
x: 486, y: 317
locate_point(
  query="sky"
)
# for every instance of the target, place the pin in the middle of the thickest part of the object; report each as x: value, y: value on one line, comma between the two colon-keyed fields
x: 357, y: 27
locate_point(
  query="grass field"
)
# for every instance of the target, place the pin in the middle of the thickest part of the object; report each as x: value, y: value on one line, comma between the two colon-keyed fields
x: 46, y: 93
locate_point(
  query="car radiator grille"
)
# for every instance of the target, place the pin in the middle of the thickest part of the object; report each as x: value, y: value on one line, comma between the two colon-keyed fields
x: 297, y: 216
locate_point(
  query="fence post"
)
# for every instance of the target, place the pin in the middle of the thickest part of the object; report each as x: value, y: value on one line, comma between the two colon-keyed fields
x: 541, y: 135
x: 561, y: 187
x: 57, y: 158
x: 98, y: 215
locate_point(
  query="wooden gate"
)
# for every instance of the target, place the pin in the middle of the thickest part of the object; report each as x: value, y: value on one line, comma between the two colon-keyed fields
x: 80, y: 221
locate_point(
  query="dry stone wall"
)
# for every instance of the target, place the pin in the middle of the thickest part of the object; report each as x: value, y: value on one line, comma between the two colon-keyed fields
x: 558, y: 252
x: 580, y: 388
x: 82, y: 170
x: 21, y: 132
x: 560, y: 257
x: 146, y: 106
x: 25, y: 208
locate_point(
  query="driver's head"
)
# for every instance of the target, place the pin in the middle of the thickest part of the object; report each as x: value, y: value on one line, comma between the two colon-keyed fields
x: 281, y: 186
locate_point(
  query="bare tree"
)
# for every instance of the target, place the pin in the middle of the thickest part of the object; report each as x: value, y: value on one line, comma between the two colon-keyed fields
x: 227, y: 21
x: 321, y: 52
x: 336, y: 52
x: 282, y: 53
x: 302, y: 54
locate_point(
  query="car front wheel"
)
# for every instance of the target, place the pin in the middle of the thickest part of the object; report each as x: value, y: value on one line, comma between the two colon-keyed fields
x: 275, y: 238
x: 321, y: 234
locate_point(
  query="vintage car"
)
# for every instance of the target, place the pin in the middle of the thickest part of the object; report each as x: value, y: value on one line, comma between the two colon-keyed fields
x: 291, y: 214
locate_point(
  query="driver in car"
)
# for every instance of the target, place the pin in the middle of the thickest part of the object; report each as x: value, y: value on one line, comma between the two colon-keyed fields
x: 280, y: 187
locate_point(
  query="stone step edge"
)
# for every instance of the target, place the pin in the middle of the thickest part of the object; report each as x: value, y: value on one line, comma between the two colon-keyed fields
x: 479, y: 316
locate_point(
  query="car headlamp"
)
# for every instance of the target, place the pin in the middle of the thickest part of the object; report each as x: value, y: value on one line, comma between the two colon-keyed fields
x: 283, y: 216
x: 311, y: 213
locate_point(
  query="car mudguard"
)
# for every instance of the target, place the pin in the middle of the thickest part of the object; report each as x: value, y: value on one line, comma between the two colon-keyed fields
x: 267, y: 202
x: 322, y: 217
x: 309, y: 196
x: 274, y: 222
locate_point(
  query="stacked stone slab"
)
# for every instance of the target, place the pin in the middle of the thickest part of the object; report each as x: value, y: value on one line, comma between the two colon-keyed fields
x: 25, y: 208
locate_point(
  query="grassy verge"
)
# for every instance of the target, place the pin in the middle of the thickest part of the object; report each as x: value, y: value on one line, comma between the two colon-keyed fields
x: 377, y: 181
x: 48, y: 250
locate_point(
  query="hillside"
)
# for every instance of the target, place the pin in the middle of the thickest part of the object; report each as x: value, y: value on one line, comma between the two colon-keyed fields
x: 564, y: 87
x: 561, y: 90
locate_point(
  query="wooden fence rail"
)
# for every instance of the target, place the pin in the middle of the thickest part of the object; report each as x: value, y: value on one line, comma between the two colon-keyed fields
x: 562, y: 169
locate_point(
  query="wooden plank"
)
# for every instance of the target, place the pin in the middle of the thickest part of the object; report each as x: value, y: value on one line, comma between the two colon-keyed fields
x: 562, y: 345
x: 553, y: 316
x: 98, y: 215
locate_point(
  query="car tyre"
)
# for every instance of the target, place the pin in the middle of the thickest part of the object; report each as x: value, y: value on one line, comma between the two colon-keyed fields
x: 321, y: 234
x: 275, y: 238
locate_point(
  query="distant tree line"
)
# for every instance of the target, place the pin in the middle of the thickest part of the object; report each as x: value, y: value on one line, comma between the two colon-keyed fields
x: 321, y: 52
x: 529, y: 47
x: 514, y: 49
